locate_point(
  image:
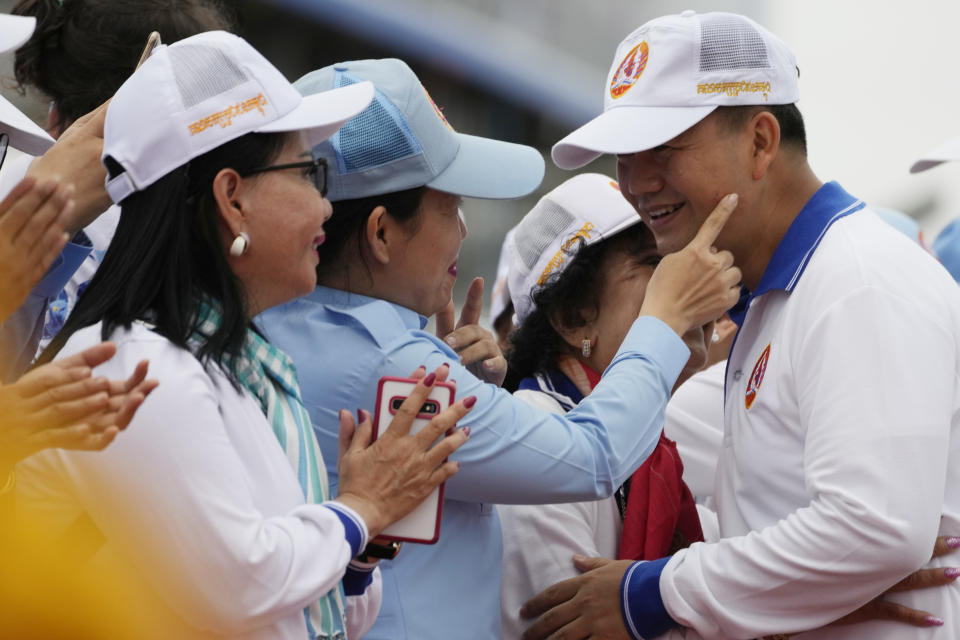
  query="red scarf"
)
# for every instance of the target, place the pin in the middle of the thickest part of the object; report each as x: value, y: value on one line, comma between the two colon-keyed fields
x: 661, y: 516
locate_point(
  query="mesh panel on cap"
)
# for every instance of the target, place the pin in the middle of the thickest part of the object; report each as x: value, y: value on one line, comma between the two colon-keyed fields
x: 378, y: 136
x: 536, y: 232
x: 203, y: 72
x: 727, y: 43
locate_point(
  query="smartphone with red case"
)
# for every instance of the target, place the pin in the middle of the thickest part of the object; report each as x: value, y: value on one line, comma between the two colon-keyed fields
x: 421, y: 525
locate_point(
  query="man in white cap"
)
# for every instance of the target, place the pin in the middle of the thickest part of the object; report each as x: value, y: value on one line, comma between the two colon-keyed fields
x: 841, y: 453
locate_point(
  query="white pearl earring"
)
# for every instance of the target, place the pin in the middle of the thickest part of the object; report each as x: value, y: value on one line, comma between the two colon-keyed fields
x: 586, y: 349
x: 240, y: 245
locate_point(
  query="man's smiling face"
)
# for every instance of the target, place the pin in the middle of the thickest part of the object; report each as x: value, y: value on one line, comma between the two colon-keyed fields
x: 676, y: 185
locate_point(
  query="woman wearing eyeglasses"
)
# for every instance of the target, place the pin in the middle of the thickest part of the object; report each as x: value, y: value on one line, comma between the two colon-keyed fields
x: 216, y: 496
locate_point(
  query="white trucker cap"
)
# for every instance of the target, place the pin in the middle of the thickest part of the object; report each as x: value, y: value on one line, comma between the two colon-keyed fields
x: 947, y: 151
x: 15, y: 30
x: 585, y: 209
x: 24, y: 133
x: 672, y: 72
x: 500, y: 296
x: 202, y: 92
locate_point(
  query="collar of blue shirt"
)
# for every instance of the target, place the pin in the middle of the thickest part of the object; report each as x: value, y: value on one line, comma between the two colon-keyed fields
x: 380, y: 317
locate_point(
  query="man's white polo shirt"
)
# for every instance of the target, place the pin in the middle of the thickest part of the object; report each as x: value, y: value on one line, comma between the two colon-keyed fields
x: 841, y: 455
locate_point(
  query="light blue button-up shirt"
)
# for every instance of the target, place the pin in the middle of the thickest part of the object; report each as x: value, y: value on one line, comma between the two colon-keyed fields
x: 343, y: 343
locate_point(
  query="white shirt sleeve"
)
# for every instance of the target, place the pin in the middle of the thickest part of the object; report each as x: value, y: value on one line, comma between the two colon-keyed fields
x: 362, y: 610
x: 875, y: 457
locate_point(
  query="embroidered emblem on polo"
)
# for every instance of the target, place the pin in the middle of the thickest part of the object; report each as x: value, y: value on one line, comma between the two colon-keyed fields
x: 756, y: 378
x: 615, y: 186
x: 629, y: 70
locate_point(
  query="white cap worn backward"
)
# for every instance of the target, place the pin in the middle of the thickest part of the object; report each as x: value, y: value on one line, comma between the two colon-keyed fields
x: 15, y: 30
x: 673, y: 72
x: 585, y: 209
x: 200, y: 93
x: 24, y: 134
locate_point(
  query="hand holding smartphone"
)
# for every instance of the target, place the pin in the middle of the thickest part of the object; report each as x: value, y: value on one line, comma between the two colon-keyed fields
x: 421, y: 525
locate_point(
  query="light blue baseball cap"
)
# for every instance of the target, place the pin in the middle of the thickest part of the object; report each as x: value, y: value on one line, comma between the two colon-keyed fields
x: 402, y: 140
x: 946, y: 247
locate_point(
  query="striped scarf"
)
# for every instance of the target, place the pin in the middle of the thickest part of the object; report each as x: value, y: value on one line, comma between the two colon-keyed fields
x: 269, y: 375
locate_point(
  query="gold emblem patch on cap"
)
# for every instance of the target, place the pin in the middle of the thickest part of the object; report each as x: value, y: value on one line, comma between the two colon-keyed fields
x: 629, y: 70
x: 225, y: 117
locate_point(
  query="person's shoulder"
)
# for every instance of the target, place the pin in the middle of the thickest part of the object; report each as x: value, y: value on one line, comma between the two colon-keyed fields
x: 863, y: 250
x: 167, y: 361
x: 334, y: 315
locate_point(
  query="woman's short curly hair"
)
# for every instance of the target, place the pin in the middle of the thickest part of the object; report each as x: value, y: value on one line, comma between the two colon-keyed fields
x: 570, y: 298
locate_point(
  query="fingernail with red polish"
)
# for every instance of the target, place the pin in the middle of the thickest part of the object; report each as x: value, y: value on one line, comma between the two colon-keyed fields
x: 930, y: 621
x: 469, y: 402
x: 466, y: 431
x: 953, y: 543
x: 446, y: 364
x: 952, y: 572
x: 429, y: 380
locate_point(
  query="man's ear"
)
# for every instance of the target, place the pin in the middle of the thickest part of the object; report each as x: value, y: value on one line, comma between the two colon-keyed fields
x: 230, y: 197
x: 380, y: 234
x: 765, y: 144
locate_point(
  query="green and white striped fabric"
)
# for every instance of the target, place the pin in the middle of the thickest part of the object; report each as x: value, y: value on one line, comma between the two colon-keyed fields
x: 269, y: 374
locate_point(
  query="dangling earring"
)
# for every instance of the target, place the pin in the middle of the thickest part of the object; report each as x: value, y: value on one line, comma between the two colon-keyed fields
x: 716, y: 336
x: 587, y: 348
x: 240, y: 245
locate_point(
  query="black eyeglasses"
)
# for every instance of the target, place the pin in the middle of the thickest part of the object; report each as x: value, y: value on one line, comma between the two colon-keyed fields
x: 317, y: 170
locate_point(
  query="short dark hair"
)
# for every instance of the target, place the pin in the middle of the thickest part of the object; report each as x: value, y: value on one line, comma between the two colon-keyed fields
x: 83, y: 50
x: 346, y: 226
x: 792, y: 132
x: 167, y: 257
x: 570, y: 298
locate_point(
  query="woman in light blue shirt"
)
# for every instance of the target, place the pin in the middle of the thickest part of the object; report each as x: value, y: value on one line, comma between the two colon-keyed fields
x: 398, y: 171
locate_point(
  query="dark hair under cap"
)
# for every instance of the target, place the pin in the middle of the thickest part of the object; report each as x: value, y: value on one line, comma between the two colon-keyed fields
x: 167, y: 257
x: 83, y: 50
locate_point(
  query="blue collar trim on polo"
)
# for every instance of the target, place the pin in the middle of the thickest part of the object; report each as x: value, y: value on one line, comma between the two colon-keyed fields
x: 828, y: 204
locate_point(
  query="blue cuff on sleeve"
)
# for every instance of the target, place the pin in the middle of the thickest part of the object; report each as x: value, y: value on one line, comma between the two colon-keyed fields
x: 356, y: 580
x: 354, y: 532
x: 640, y: 603
x: 63, y: 268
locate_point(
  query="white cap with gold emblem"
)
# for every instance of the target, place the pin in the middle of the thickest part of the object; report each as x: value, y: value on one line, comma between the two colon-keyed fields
x: 673, y: 72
